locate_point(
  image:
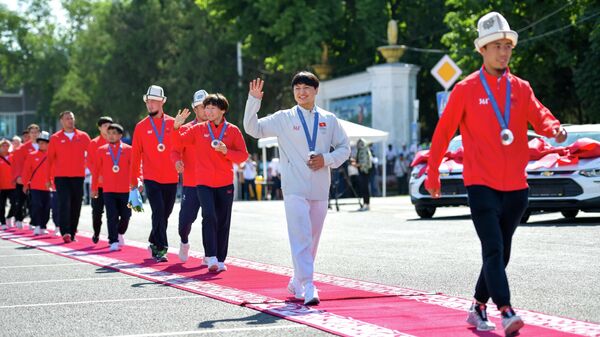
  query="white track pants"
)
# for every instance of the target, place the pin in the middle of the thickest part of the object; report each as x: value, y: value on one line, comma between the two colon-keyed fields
x: 305, y: 220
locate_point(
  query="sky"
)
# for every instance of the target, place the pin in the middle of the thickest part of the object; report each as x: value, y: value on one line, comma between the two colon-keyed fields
x: 57, y: 8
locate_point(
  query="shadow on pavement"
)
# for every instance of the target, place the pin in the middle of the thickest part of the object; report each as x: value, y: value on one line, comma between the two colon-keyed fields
x: 577, y: 222
x: 256, y: 319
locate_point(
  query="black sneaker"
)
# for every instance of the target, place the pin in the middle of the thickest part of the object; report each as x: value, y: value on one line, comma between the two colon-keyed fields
x: 161, y: 255
x: 478, y: 318
x: 511, y: 322
x: 95, y: 238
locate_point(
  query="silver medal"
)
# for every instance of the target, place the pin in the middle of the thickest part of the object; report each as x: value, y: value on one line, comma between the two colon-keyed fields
x: 507, y: 137
x: 115, y: 168
x: 215, y: 143
x: 311, y: 154
x: 160, y: 147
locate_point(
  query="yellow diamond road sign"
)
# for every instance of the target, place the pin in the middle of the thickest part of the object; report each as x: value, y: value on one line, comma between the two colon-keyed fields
x: 446, y: 72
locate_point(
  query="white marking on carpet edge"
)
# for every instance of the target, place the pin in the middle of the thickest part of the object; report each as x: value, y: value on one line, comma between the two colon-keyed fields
x: 215, y: 331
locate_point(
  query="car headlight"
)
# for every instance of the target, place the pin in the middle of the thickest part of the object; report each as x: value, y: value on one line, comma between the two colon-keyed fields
x: 590, y: 172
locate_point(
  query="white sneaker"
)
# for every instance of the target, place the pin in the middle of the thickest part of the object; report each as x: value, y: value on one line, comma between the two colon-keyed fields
x: 36, y: 230
x: 295, y: 289
x: 204, y: 261
x: 57, y: 231
x: 114, y: 247
x: 213, y: 264
x: 43, y: 232
x: 221, y: 267
x: 4, y: 227
x: 10, y: 222
x: 311, y: 295
x: 19, y: 224
x: 478, y: 318
x: 31, y: 227
x: 184, y: 250
x: 121, y: 240
x: 511, y: 323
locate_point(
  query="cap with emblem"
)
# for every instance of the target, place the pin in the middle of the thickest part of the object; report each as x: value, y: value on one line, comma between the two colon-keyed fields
x: 492, y: 27
x: 155, y: 93
x: 199, y: 96
x: 44, y: 135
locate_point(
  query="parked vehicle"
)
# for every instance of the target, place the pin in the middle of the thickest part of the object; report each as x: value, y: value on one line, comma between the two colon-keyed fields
x: 566, y: 188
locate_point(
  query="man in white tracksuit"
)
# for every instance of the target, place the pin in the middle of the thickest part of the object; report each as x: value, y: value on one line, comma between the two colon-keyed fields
x: 305, y: 134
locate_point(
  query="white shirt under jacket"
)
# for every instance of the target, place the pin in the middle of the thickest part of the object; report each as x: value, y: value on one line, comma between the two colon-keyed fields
x: 296, y: 177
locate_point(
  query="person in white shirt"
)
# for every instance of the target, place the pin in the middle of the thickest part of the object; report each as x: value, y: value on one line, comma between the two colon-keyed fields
x: 249, y: 185
x: 275, y: 179
x: 305, y: 134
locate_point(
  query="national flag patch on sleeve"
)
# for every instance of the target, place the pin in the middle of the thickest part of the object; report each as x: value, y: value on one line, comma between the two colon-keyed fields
x: 322, y: 124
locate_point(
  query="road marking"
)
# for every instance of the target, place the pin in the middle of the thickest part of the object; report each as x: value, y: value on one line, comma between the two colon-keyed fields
x: 22, y: 255
x: 45, y: 265
x: 215, y: 331
x: 98, y: 301
x: 70, y: 280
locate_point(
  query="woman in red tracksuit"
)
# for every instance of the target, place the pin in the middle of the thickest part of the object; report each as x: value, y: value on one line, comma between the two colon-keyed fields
x: 35, y: 177
x: 493, y: 108
x: 218, y: 145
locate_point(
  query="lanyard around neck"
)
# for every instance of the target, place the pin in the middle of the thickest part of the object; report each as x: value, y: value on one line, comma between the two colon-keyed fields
x: 504, y: 122
x: 312, y: 141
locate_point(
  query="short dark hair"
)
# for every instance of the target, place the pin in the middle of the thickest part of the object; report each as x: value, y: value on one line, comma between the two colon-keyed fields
x: 33, y: 126
x: 25, y: 132
x: 219, y: 100
x: 60, y: 116
x: 306, y: 77
x: 103, y: 120
x: 115, y: 126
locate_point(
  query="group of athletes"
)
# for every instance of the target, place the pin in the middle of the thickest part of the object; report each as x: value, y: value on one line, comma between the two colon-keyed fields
x: 492, y: 107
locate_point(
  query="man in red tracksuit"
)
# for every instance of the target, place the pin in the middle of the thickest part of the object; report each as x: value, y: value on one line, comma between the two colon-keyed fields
x: 66, y: 163
x: 34, y: 174
x: 98, y: 201
x: 151, y: 152
x: 111, y: 166
x: 492, y: 107
x: 184, y: 158
x: 19, y: 156
x: 218, y: 144
x: 7, y: 184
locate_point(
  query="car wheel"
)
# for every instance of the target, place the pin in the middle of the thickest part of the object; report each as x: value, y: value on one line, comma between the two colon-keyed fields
x: 425, y: 212
x: 570, y: 214
x: 525, y: 217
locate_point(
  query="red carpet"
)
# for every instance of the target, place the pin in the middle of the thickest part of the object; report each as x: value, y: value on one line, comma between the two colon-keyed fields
x: 348, y: 307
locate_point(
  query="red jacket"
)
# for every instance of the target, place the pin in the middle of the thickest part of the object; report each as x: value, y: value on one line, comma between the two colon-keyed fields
x: 19, y: 156
x: 35, y: 171
x: 486, y: 161
x: 112, y: 182
x: 91, y: 153
x: 213, y: 169
x: 155, y: 165
x: 66, y: 157
x: 6, y: 176
x: 186, y: 154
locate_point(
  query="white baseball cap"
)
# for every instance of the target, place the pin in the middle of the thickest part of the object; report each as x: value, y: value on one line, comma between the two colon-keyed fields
x: 155, y: 93
x: 44, y: 135
x: 199, y: 96
x: 492, y: 27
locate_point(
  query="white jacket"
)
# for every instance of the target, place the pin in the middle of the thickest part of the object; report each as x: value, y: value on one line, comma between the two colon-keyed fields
x: 296, y: 177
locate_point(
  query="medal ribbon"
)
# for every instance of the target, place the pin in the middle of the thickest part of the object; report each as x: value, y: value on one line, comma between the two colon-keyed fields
x: 161, y: 135
x: 312, y: 141
x: 212, y: 135
x: 116, y: 159
x: 503, y: 121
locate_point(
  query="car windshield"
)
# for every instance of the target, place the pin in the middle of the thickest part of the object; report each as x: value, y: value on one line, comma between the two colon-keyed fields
x: 573, y: 136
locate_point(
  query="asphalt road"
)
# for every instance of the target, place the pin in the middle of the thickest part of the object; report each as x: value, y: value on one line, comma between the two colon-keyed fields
x: 554, y: 269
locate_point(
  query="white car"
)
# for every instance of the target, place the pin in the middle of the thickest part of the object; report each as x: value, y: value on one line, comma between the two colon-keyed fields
x: 453, y: 189
x: 569, y: 188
